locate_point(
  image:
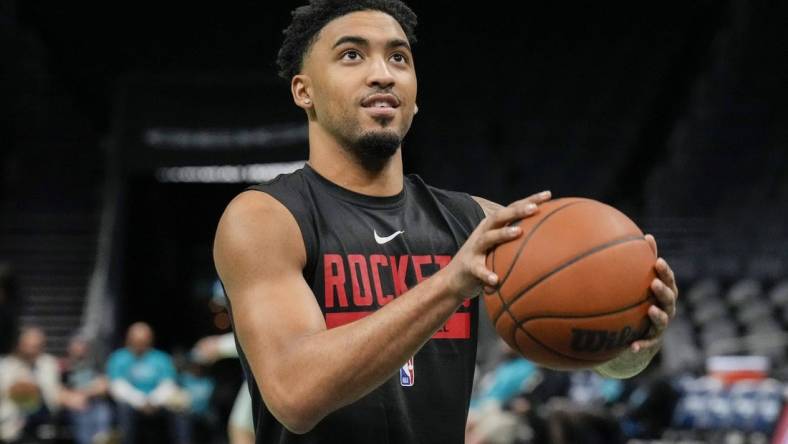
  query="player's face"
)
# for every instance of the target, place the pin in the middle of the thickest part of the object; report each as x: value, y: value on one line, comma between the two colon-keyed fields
x: 362, y: 78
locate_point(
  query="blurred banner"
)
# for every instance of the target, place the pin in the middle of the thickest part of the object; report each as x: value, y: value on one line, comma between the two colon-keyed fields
x: 177, y: 121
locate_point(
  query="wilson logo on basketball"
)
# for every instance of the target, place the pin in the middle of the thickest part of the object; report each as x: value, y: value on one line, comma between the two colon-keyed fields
x: 597, y: 340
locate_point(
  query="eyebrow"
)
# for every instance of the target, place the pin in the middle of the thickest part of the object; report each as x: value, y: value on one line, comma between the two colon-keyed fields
x: 361, y: 41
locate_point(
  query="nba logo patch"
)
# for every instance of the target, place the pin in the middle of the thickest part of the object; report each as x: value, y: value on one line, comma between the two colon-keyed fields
x: 407, y: 374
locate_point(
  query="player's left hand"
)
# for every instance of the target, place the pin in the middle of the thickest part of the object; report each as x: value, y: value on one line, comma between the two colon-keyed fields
x: 666, y: 293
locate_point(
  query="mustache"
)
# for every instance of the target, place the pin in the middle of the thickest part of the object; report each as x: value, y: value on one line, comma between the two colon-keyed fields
x: 381, y: 91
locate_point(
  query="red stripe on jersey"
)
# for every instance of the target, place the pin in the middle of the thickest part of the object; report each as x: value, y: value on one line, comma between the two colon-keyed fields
x: 457, y: 327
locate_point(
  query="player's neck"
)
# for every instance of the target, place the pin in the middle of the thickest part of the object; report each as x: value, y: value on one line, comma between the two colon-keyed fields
x: 336, y: 164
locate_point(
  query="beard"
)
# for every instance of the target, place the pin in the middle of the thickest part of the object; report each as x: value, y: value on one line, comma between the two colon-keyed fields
x: 373, y: 149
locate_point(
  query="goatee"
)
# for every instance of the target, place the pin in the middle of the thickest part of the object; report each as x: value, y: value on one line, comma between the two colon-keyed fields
x: 374, y: 149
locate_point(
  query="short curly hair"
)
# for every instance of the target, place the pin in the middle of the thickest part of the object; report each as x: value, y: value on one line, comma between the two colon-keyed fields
x: 309, y: 19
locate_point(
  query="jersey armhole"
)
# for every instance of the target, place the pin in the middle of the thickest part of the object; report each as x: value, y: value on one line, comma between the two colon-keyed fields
x: 305, y: 225
x: 477, y: 208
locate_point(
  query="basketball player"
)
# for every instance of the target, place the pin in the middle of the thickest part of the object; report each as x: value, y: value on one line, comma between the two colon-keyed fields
x: 343, y: 336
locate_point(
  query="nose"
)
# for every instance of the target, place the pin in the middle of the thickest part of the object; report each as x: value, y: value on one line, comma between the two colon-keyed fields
x: 380, y: 74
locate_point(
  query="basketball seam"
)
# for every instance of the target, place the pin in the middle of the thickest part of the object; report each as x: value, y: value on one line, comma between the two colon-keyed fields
x: 550, y: 349
x: 530, y: 235
x: 561, y: 267
x: 578, y: 258
x: 533, y: 338
x: 598, y: 248
x: 520, y: 250
x: 571, y: 316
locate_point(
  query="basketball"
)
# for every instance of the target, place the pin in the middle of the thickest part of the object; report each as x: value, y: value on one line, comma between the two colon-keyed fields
x: 574, y: 288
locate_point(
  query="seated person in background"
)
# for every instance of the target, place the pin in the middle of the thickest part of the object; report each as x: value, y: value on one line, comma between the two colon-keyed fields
x: 489, y: 421
x: 30, y: 390
x: 199, y: 417
x: 240, y: 427
x: 85, y: 394
x: 142, y: 383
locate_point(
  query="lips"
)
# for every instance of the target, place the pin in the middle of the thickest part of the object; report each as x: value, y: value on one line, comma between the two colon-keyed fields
x: 380, y: 101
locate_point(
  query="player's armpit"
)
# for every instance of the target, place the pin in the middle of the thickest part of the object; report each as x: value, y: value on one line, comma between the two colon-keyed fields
x: 488, y: 206
x: 259, y: 255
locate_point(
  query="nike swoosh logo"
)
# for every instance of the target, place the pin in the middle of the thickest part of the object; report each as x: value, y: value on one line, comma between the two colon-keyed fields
x: 383, y: 240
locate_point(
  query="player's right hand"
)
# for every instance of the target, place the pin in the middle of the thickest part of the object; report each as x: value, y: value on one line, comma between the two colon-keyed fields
x: 468, y: 271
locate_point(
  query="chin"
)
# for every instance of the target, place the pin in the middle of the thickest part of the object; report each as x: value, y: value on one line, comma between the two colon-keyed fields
x: 382, y: 124
x: 379, y: 130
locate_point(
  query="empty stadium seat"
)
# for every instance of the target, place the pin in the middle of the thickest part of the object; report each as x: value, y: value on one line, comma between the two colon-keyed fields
x: 766, y: 344
x: 713, y: 333
x: 702, y: 291
x: 679, y: 351
x: 779, y: 294
x: 753, y: 312
x: 763, y: 326
x: 744, y: 291
x: 708, y: 312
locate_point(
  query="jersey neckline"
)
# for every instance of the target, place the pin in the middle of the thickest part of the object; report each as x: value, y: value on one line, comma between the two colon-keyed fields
x: 366, y: 200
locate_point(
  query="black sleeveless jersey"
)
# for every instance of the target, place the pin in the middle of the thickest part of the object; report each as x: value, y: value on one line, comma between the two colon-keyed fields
x: 363, y: 251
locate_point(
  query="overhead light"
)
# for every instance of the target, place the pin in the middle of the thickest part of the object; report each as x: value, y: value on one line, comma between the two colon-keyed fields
x: 252, y: 173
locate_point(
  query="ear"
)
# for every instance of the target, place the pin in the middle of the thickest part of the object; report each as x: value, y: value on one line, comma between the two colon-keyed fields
x: 416, y: 109
x: 301, y: 87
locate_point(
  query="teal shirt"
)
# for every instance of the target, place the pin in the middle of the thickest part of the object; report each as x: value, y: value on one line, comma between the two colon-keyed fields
x: 200, y: 389
x: 143, y: 372
x: 509, y: 380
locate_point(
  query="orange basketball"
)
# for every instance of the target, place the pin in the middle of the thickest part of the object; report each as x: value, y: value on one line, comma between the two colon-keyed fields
x: 574, y: 287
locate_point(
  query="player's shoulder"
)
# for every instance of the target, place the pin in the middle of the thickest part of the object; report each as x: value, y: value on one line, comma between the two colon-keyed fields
x: 256, y: 226
x: 253, y: 211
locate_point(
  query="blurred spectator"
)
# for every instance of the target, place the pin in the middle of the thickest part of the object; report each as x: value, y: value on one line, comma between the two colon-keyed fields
x: 8, y: 310
x: 518, y: 402
x: 241, y: 425
x: 489, y: 421
x: 30, y: 391
x: 505, y: 381
x: 85, y: 394
x: 584, y: 416
x: 197, y: 388
x: 143, y: 384
x: 588, y: 388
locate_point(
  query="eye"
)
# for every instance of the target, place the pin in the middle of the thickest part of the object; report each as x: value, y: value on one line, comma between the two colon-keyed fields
x: 351, y: 55
x: 399, y: 57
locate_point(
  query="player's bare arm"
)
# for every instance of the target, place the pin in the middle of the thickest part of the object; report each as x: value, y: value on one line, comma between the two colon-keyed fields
x: 639, y: 354
x: 304, y: 370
